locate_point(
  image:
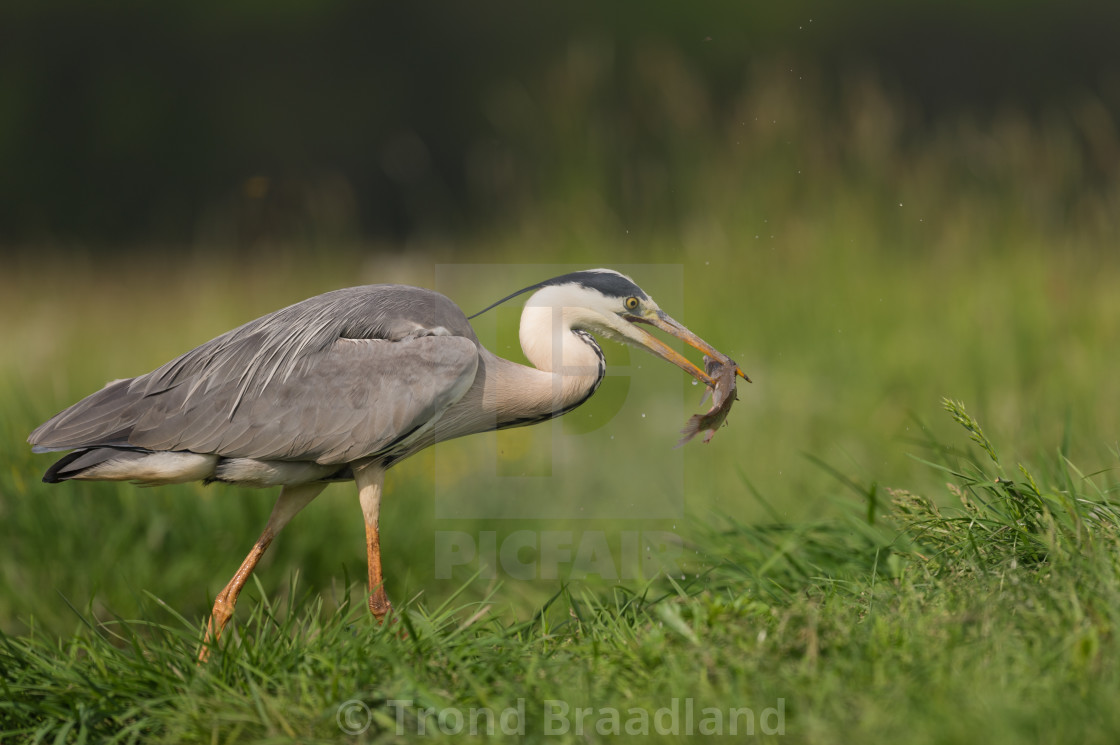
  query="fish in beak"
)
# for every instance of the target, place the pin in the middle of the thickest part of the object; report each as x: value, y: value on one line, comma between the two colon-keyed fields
x: 662, y: 320
x: 719, y: 372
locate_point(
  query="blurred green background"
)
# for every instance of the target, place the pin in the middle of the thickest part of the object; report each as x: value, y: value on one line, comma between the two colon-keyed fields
x: 870, y: 205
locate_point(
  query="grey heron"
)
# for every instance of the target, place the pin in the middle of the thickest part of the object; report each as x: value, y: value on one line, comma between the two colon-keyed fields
x: 344, y: 385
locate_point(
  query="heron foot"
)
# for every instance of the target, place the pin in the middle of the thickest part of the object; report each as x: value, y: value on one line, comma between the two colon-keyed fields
x: 379, y: 604
x: 219, y: 617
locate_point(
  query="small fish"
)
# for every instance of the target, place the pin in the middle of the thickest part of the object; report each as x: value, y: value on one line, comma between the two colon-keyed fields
x: 723, y: 396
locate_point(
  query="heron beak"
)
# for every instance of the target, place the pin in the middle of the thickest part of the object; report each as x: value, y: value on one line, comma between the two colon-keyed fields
x: 663, y: 321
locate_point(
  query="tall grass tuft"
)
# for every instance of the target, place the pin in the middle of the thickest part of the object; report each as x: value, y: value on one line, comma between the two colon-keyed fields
x: 1001, y: 522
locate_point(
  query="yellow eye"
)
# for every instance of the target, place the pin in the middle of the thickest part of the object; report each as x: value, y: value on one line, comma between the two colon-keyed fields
x: 631, y: 303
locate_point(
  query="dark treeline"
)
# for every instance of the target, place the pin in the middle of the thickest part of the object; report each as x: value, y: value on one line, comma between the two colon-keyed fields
x: 130, y: 121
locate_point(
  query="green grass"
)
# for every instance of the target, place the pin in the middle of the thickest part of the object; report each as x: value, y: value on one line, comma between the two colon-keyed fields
x: 848, y: 549
x: 992, y: 620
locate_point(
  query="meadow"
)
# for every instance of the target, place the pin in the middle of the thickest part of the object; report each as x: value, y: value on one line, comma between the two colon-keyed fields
x: 906, y: 532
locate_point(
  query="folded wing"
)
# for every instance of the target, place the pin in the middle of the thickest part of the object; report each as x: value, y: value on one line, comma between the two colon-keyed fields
x: 330, y: 380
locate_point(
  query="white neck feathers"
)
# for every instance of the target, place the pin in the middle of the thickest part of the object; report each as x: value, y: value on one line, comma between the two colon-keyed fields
x: 552, y: 346
x: 568, y: 364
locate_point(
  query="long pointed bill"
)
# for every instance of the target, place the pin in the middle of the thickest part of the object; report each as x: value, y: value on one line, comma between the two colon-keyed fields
x: 664, y: 322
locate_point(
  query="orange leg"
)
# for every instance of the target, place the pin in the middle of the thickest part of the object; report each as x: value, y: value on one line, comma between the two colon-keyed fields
x: 292, y: 499
x: 370, y: 481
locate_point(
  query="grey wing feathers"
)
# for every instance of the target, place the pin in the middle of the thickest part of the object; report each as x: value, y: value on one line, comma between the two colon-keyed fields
x: 351, y: 401
x: 331, y: 379
x: 272, y: 346
x: 97, y: 419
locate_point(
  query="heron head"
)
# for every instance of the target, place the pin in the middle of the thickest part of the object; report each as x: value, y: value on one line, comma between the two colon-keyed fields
x: 610, y: 304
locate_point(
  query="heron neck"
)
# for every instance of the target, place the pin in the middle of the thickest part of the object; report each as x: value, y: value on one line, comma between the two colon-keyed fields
x: 567, y: 368
x: 552, y: 345
x: 517, y: 394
